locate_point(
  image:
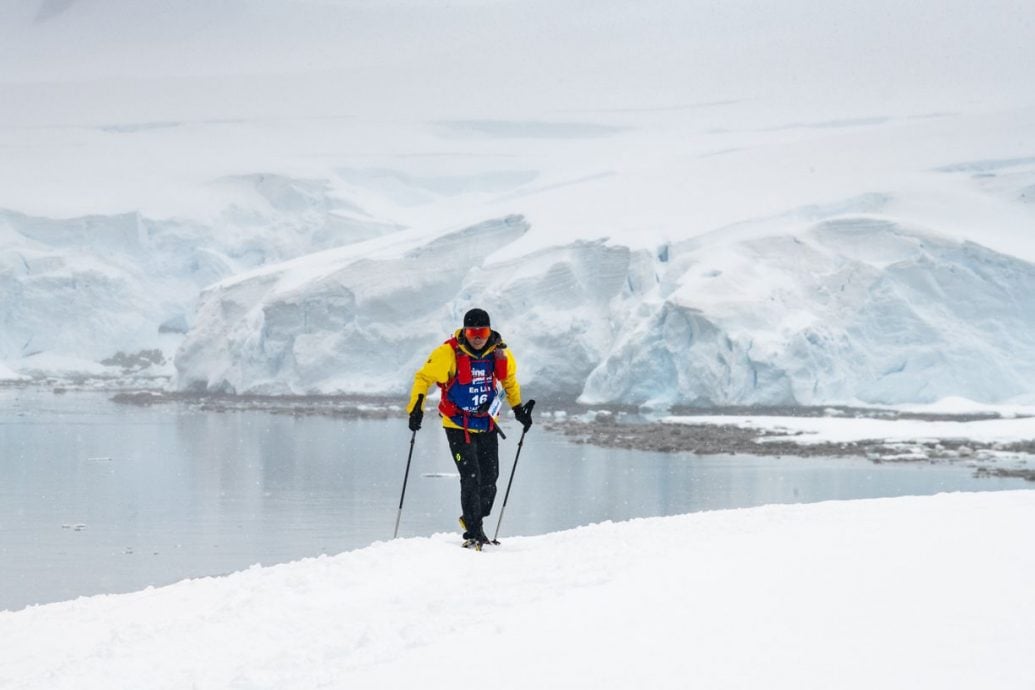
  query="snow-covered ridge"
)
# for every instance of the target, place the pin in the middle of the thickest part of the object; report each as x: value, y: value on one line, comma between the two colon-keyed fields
x: 726, y: 599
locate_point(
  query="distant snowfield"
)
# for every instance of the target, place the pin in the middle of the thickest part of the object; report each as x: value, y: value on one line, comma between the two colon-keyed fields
x: 781, y: 204
x: 905, y: 592
x: 837, y: 429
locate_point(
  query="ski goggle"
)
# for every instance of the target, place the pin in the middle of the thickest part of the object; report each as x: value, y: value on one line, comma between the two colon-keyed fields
x: 482, y: 332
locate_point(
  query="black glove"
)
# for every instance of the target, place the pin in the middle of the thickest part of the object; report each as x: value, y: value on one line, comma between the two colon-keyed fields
x: 523, y: 413
x: 417, y: 414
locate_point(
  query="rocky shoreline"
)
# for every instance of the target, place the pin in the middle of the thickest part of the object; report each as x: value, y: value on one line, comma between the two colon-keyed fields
x: 609, y: 430
x: 718, y: 439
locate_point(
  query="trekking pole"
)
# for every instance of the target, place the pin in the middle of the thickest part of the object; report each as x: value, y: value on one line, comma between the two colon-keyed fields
x: 528, y: 408
x: 413, y: 439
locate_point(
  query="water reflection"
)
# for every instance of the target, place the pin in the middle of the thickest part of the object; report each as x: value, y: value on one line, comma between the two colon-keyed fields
x: 97, y: 497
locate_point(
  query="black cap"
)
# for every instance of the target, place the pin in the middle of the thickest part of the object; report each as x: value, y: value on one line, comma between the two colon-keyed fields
x: 476, y: 318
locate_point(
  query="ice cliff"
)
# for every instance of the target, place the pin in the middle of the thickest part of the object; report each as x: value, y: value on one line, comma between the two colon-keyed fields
x: 849, y: 307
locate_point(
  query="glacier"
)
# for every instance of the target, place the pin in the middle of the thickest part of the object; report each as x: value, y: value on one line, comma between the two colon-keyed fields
x: 854, y: 307
x: 81, y: 291
x: 291, y: 286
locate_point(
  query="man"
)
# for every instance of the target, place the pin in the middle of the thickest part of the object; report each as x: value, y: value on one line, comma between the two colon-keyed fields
x: 471, y: 368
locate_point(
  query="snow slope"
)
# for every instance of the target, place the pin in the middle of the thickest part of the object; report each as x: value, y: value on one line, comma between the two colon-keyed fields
x: 905, y: 592
x: 687, y: 144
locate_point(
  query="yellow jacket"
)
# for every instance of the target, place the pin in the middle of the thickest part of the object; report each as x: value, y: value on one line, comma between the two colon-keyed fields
x: 441, y: 367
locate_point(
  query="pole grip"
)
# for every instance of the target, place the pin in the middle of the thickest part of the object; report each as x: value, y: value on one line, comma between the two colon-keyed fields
x: 406, y: 476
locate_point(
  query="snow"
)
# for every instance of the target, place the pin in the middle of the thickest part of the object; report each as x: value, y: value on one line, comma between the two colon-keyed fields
x: 958, y: 405
x: 839, y: 429
x: 9, y: 375
x: 905, y: 592
x: 697, y: 184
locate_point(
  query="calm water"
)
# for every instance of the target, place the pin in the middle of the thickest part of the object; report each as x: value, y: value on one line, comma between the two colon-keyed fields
x: 97, y: 497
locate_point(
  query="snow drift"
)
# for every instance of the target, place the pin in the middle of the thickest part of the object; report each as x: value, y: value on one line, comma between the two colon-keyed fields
x: 907, y: 592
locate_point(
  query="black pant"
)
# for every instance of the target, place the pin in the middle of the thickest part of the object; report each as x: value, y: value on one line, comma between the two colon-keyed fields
x: 479, y: 466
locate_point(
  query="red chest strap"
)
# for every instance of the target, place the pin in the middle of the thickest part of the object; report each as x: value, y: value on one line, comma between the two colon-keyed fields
x: 463, y: 363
